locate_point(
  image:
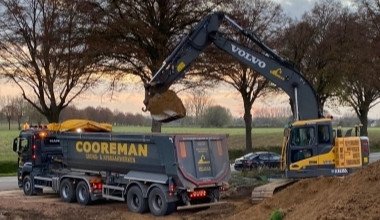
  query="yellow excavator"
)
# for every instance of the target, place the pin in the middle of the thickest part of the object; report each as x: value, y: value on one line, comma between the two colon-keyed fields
x: 311, y: 147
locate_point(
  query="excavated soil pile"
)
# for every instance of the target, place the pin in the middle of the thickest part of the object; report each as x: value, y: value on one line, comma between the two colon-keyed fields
x: 356, y: 196
x: 165, y: 106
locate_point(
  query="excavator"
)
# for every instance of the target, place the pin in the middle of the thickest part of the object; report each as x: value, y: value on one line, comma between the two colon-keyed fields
x: 311, y: 147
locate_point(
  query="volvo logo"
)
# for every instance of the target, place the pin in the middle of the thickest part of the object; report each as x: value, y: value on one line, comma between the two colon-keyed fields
x: 248, y: 56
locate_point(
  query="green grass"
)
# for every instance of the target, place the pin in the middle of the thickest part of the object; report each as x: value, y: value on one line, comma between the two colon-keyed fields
x: 8, y: 158
x: 374, y: 139
x: 262, y: 137
x: 277, y: 215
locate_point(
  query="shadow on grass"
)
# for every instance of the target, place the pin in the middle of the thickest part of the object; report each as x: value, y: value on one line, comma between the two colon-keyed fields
x: 8, y: 167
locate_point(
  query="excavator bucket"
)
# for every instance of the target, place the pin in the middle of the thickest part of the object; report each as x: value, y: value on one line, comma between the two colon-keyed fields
x: 165, y: 107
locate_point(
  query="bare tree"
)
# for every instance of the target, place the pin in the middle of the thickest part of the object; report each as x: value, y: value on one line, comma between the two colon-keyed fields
x: 312, y: 47
x: 197, y: 103
x: 19, y: 104
x: 359, y: 65
x: 44, y: 50
x: 138, y: 35
x: 370, y: 9
x: 8, y: 110
x: 33, y: 116
x: 265, y: 19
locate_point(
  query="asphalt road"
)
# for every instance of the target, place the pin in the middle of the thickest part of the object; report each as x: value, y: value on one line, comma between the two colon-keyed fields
x: 10, y: 183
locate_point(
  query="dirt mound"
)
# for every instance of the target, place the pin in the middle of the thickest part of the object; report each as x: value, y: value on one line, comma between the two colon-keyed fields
x: 356, y: 196
x: 166, y: 107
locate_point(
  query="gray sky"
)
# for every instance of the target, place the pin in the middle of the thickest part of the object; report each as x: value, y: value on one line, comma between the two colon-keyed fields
x: 296, y: 8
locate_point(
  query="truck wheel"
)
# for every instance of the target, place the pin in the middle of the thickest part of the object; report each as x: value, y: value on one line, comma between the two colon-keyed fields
x: 135, y: 200
x: 157, y: 203
x: 67, y: 191
x: 83, y: 193
x: 27, y: 186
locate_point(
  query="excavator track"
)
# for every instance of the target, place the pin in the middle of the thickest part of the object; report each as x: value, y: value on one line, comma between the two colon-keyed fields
x: 266, y: 191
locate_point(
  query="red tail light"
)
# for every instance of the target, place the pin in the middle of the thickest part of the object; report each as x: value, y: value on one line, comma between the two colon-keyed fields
x: 171, y: 187
x: 96, y: 186
x: 198, y: 194
x: 365, y: 147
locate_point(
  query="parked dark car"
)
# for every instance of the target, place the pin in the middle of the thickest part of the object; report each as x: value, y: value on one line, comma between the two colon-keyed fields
x: 258, y: 159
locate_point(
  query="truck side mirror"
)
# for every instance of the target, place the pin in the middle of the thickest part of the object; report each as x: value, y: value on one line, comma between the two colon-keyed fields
x: 16, y: 145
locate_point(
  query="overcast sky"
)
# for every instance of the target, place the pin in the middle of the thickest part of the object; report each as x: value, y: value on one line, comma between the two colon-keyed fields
x: 296, y: 8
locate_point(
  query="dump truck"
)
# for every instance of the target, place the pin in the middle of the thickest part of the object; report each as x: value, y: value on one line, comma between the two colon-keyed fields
x: 83, y: 161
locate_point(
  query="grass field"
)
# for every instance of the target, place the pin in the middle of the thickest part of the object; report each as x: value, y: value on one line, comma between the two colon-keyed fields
x: 263, y: 138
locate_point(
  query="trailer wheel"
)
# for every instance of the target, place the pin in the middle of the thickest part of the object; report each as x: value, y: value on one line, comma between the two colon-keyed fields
x: 157, y: 203
x: 27, y: 186
x: 83, y: 193
x: 135, y: 200
x: 67, y: 191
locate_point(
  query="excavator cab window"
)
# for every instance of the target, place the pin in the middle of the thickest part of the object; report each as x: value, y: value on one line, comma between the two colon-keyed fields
x: 325, y: 138
x: 324, y: 134
x: 303, y: 140
x: 303, y: 136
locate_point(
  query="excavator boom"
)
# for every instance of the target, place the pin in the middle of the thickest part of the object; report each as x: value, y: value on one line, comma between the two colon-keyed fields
x: 165, y: 106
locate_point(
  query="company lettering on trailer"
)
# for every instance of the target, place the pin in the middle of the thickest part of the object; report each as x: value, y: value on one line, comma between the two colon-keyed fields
x: 112, y: 151
x: 248, y: 56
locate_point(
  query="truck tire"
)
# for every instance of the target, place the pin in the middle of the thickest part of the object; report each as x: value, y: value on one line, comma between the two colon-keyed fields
x: 67, y: 191
x: 83, y: 193
x: 27, y: 186
x: 157, y: 203
x: 135, y: 200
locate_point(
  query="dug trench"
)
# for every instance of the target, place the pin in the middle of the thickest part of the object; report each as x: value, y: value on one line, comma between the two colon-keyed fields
x: 350, y: 197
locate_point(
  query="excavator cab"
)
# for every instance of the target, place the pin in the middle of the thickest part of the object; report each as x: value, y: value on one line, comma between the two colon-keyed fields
x: 308, y: 146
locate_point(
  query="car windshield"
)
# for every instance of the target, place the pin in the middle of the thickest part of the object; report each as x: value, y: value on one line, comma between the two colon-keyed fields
x: 247, y: 156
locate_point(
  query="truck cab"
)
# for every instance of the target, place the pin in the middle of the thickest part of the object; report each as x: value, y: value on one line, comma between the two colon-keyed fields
x: 38, y: 153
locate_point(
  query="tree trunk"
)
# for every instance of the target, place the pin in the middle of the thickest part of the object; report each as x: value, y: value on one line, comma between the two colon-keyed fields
x: 19, y: 123
x: 156, y: 126
x: 53, y: 116
x: 363, y: 117
x: 9, y: 124
x: 248, y: 125
x: 248, y: 132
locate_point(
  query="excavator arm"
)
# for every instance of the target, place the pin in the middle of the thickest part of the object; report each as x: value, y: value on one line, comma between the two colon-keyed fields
x: 266, y: 63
